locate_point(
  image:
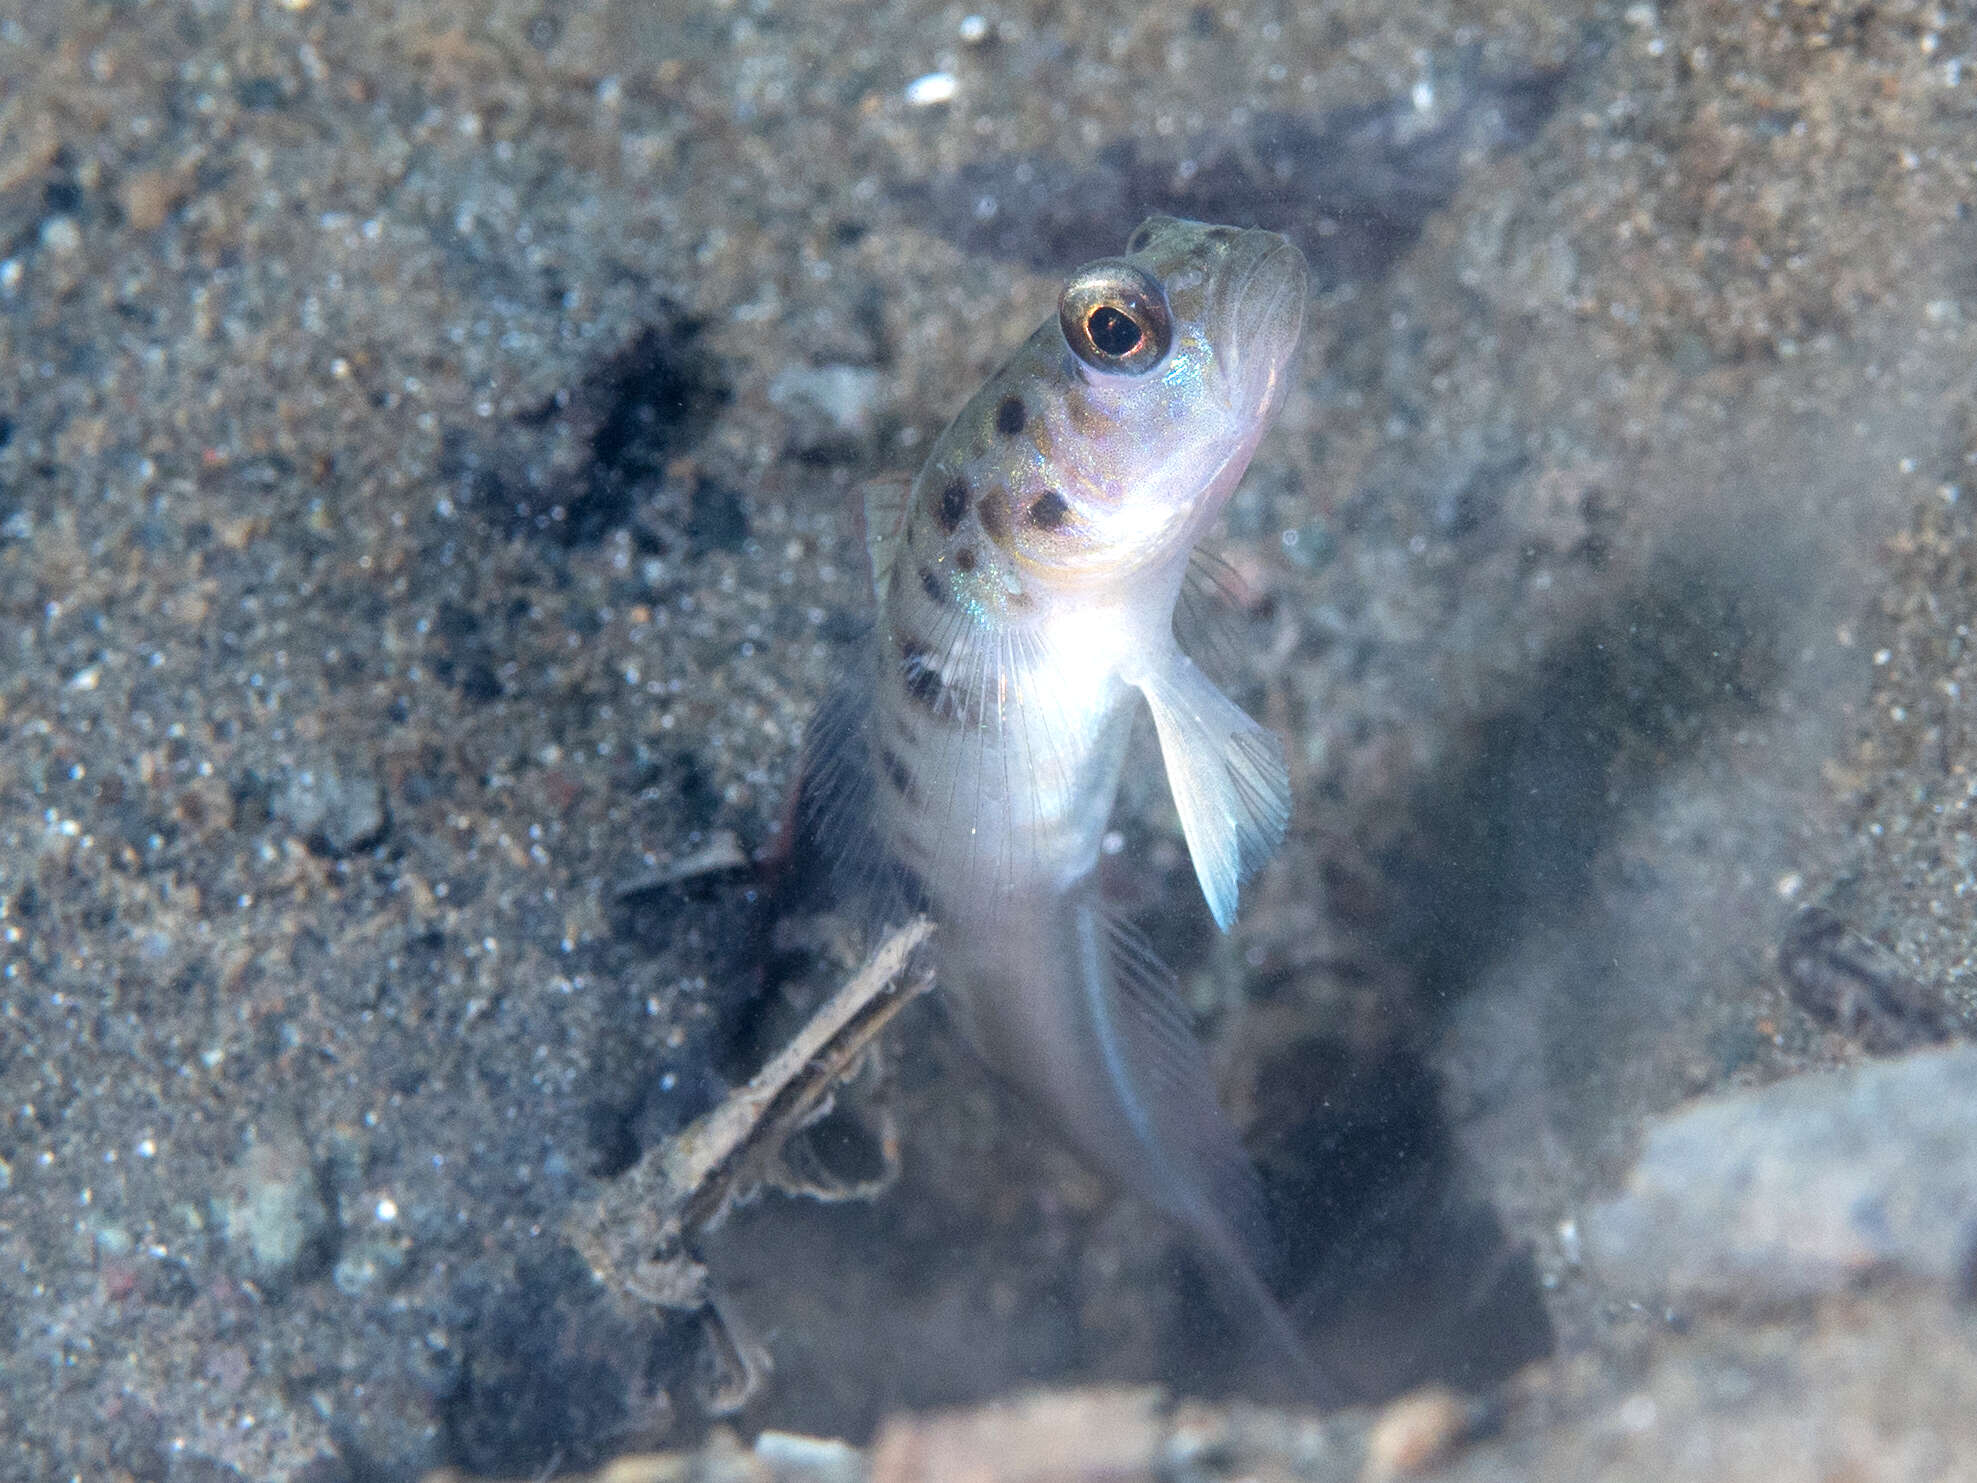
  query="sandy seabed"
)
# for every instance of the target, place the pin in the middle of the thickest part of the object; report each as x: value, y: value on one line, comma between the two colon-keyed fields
x: 429, y: 444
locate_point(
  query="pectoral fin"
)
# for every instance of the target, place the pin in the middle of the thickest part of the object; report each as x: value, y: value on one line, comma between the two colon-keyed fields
x: 1227, y: 775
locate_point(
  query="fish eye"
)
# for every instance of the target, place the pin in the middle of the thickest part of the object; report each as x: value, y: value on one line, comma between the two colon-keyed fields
x: 1115, y: 318
x: 1112, y: 332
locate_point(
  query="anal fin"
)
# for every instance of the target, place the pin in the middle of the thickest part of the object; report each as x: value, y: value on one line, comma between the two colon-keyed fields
x: 1186, y: 1159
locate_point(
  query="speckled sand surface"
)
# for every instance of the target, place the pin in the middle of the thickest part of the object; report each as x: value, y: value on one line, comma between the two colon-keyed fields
x: 429, y: 436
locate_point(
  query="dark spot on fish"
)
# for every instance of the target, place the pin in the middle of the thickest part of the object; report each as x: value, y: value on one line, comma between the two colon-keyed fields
x: 1047, y: 510
x: 898, y: 774
x: 953, y: 504
x: 916, y: 668
x: 965, y: 558
x: 931, y: 585
x: 993, y: 511
x: 1010, y: 416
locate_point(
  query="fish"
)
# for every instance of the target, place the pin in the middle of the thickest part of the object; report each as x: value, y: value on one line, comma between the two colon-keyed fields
x: 1026, y: 588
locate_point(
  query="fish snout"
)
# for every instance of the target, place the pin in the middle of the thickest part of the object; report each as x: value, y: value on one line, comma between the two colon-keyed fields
x: 1268, y: 284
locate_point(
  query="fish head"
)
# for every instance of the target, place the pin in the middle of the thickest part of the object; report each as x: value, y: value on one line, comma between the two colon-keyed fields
x: 1173, y: 359
x: 1114, y: 436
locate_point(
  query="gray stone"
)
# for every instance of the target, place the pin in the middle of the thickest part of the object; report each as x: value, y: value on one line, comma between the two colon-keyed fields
x: 337, y: 809
x: 271, y: 1208
x: 1803, y: 1188
x: 827, y: 406
x: 368, y: 1265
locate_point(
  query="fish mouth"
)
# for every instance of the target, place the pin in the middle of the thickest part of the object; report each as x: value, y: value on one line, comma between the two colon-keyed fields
x: 1265, y: 286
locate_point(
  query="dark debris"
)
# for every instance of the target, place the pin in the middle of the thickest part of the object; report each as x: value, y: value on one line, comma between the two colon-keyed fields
x: 1858, y: 987
x: 632, y: 414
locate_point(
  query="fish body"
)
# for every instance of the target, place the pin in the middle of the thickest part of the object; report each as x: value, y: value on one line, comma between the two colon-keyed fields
x: 1027, y: 588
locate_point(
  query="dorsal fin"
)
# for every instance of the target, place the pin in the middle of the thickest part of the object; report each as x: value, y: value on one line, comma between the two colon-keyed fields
x: 885, y: 513
x: 835, y: 815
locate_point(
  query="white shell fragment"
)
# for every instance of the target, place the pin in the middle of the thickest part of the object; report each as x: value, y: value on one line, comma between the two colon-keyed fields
x: 932, y: 89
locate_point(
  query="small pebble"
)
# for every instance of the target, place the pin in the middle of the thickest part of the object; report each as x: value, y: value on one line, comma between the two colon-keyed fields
x: 1419, y: 1431
x: 801, y: 1459
x: 935, y: 87
x: 336, y: 811
x: 827, y: 404
x: 271, y: 1208
x: 61, y: 236
x: 149, y: 197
